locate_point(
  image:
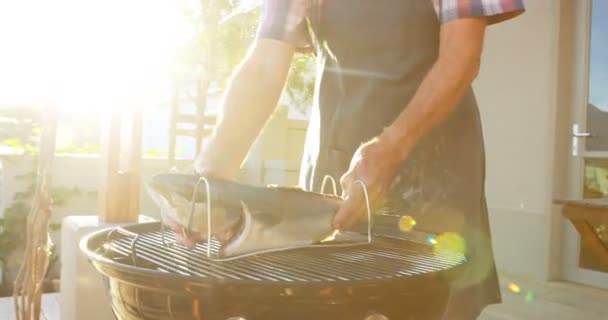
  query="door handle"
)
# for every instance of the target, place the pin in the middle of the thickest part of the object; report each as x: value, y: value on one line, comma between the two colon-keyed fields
x: 581, y: 134
x: 576, y: 136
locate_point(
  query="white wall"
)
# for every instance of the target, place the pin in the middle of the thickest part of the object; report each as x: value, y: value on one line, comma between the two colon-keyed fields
x: 517, y: 96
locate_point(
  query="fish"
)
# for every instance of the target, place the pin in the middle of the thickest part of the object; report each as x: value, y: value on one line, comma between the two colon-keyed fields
x: 246, y: 218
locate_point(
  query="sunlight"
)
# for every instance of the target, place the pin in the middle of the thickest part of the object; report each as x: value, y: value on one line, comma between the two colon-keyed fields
x: 85, y: 55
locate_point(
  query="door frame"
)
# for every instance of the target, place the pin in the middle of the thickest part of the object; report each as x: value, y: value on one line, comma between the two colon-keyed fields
x: 574, y: 66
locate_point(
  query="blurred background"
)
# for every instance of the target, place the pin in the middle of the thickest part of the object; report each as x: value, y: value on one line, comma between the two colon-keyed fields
x: 89, y: 58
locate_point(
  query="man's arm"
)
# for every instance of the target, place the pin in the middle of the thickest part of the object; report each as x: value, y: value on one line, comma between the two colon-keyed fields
x: 252, y: 95
x: 461, y: 44
x: 377, y: 161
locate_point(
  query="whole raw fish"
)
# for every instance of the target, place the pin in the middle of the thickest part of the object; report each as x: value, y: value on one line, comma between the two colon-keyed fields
x: 247, y: 218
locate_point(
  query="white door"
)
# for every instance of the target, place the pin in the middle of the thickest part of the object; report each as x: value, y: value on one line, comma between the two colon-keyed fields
x: 589, y: 170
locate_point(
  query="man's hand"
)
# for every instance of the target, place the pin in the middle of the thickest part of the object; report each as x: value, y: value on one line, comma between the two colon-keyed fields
x: 211, y: 161
x: 375, y: 164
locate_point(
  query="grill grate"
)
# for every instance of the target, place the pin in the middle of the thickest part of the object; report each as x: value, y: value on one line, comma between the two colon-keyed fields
x: 383, y: 259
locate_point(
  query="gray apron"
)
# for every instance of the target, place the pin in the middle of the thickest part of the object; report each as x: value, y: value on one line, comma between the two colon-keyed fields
x: 371, y: 57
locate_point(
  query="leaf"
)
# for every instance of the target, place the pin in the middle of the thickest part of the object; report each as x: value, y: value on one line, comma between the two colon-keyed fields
x: 13, y: 142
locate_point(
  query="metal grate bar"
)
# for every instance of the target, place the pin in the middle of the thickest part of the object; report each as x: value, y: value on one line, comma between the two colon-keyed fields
x: 423, y: 263
x: 122, y: 249
x: 430, y: 263
x: 240, y: 266
x: 195, y: 260
x: 414, y: 261
x: 164, y: 262
x: 384, y: 258
x: 322, y: 266
x: 261, y: 264
x: 289, y: 266
x: 346, y: 271
x: 191, y: 263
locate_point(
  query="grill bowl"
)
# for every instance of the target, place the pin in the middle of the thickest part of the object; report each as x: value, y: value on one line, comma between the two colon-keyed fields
x: 400, y: 279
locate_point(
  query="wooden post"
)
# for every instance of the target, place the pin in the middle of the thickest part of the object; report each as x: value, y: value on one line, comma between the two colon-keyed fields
x: 121, y: 164
x: 133, y: 165
x: 27, y: 292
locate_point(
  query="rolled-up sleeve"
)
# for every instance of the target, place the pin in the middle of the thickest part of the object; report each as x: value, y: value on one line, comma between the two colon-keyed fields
x: 285, y: 20
x: 495, y: 11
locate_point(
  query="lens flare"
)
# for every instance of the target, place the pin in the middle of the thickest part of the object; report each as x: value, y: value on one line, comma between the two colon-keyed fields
x: 484, y: 266
x: 376, y: 316
x: 406, y: 223
x: 514, y: 288
x: 529, y: 296
x: 332, y: 237
x: 431, y: 240
x: 449, y: 241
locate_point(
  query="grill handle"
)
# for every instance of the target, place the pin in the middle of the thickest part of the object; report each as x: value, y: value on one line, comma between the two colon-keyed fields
x: 369, y: 210
x: 124, y: 232
x: 333, y: 183
x: 367, y: 203
x: 208, y: 192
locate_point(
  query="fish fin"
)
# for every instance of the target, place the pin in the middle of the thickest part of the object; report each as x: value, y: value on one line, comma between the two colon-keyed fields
x: 244, y: 232
x: 266, y: 218
x: 260, y: 217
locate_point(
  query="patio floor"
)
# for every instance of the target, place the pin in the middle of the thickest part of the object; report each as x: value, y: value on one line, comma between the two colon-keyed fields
x: 548, y: 300
x: 50, y: 307
x: 555, y: 301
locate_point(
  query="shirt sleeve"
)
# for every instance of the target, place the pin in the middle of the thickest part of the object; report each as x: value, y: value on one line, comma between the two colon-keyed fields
x: 494, y: 10
x: 285, y: 20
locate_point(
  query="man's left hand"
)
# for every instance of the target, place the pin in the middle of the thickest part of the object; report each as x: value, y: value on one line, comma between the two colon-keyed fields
x: 375, y: 163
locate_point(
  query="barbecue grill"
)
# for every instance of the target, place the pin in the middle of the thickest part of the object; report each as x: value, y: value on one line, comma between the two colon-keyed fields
x: 148, y: 276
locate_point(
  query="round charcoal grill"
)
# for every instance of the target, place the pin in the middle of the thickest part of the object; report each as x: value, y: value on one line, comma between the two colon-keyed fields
x: 389, y: 278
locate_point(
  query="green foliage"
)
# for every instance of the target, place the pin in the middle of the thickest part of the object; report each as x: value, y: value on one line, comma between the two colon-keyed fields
x: 12, y: 229
x: 225, y: 29
x: 20, y: 127
x: 301, y: 82
x: 20, y: 130
x: 85, y: 148
x: 61, y: 195
x: 221, y: 37
x: 14, y: 221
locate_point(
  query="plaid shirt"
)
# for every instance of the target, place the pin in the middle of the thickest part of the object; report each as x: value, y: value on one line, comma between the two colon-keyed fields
x: 285, y: 19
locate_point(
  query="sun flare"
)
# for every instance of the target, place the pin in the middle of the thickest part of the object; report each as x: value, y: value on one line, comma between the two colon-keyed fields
x: 85, y: 55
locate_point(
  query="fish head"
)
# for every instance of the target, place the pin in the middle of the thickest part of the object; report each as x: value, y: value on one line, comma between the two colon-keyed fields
x: 172, y: 193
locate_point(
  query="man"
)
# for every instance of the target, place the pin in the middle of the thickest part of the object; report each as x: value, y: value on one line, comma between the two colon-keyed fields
x: 393, y: 108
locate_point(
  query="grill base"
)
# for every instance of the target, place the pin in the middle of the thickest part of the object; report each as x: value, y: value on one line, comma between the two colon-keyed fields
x: 146, y: 280
x: 132, y: 302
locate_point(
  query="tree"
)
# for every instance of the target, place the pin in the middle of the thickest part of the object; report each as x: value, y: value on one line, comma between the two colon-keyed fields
x: 224, y: 30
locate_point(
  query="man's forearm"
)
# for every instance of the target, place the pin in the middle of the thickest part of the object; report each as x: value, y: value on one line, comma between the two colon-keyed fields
x: 440, y: 92
x: 251, y: 97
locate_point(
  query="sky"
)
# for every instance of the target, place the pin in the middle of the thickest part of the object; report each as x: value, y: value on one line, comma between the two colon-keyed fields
x: 598, y: 81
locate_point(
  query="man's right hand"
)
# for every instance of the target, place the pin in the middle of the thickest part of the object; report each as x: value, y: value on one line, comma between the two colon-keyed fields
x: 208, y: 164
x: 216, y: 160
